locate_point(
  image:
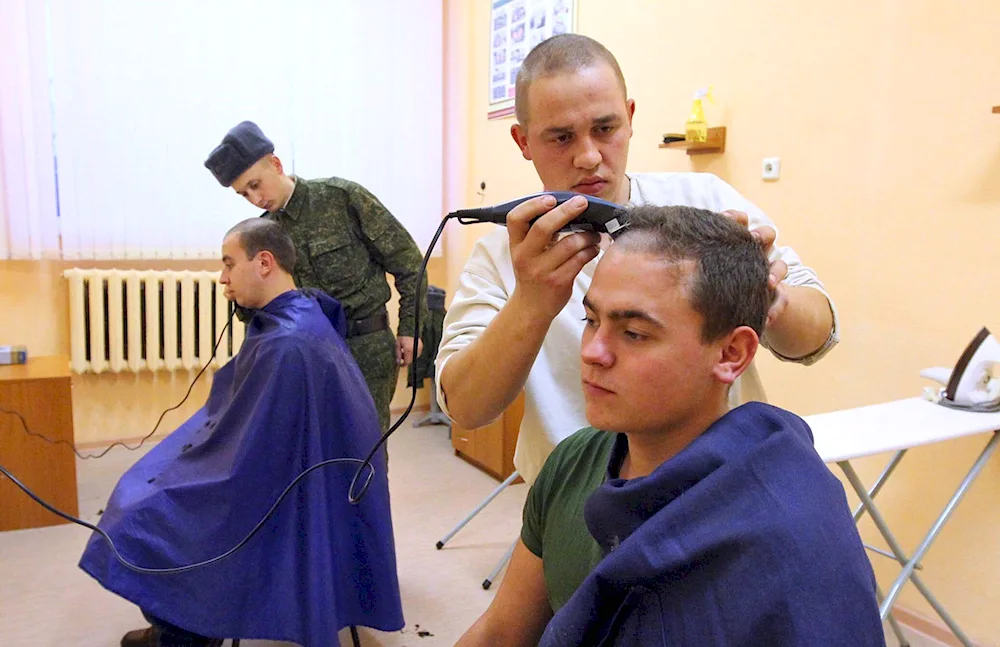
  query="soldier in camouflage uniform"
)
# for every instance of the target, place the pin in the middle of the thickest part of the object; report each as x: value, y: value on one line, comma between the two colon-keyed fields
x: 346, y: 242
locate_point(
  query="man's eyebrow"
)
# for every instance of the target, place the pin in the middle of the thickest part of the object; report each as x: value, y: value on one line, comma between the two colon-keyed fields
x: 635, y: 314
x: 625, y: 314
x: 226, y: 258
x: 607, y: 120
x: 243, y: 191
x: 557, y: 130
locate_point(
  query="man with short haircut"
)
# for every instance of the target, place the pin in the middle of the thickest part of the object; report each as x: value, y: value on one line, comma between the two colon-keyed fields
x: 674, y: 520
x: 516, y: 319
x: 292, y: 398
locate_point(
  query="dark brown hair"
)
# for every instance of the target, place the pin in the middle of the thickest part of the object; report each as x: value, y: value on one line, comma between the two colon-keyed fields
x: 729, y: 288
x: 260, y: 234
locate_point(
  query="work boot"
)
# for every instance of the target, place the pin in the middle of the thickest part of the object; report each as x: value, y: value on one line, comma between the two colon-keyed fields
x: 148, y: 637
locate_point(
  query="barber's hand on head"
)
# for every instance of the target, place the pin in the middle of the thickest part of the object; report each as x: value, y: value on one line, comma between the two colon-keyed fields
x: 777, y: 271
x: 764, y: 234
x: 545, y: 265
x: 404, y: 350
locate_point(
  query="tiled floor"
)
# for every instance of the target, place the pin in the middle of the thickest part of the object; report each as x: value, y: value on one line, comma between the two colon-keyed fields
x: 45, y: 601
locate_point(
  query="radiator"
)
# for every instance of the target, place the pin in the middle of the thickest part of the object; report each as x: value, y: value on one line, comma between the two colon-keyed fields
x: 133, y: 320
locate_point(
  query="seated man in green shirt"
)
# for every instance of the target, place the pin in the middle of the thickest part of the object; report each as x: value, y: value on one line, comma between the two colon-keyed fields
x: 673, y: 520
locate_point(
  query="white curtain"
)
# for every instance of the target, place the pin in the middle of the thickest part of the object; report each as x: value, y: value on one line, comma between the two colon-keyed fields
x: 373, y: 109
x: 142, y: 92
x: 28, y: 212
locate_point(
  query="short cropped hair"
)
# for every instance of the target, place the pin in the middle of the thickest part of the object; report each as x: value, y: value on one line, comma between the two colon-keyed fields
x: 557, y: 55
x: 260, y: 234
x: 730, y: 286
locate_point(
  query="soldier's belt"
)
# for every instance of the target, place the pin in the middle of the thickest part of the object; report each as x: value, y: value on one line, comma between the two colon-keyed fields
x: 368, y: 325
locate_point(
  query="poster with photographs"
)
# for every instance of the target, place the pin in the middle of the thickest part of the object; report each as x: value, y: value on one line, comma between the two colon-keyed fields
x: 516, y: 26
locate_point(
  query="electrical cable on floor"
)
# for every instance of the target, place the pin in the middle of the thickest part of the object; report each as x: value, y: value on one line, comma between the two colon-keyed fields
x: 352, y: 498
x: 28, y: 431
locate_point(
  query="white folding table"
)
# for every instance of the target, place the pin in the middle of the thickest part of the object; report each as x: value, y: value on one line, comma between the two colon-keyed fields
x: 842, y: 436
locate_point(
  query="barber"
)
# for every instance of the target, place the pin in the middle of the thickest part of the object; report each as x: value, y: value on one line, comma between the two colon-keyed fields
x: 347, y: 242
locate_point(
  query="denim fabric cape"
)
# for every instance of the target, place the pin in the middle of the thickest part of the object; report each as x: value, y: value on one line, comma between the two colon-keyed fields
x: 742, y: 538
x: 293, y: 396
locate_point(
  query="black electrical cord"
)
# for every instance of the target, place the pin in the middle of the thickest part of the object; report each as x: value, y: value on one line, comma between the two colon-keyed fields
x: 981, y: 407
x: 28, y: 431
x: 189, y: 567
x: 413, y: 396
x: 260, y: 524
x: 176, y: 569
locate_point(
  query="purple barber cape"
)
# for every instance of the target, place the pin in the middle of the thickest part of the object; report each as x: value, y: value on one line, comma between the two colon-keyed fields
x: 743, y: 538
x: 291, y: 398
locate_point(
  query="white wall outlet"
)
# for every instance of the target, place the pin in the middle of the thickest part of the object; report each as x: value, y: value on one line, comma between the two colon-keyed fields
x: 771, y: 168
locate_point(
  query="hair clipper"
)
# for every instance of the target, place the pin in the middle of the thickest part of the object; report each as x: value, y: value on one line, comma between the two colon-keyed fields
x: 600, y: 215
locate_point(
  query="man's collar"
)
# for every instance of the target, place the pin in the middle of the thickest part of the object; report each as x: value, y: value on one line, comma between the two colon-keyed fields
x: 619, y: 450
x: 296, y: 201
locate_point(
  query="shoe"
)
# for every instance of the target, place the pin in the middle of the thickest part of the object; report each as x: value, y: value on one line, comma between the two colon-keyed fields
x: 148, y: 637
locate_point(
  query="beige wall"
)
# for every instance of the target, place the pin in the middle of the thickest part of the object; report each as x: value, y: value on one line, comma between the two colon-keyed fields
x: 106, y: 407
x: 890, y: 189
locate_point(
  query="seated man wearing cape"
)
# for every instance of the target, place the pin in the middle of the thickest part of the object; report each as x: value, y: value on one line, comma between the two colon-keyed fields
x: 292, y: 397
x: 674, y: 520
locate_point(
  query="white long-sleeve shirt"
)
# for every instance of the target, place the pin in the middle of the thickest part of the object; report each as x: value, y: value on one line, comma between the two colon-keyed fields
x: 554, y: 404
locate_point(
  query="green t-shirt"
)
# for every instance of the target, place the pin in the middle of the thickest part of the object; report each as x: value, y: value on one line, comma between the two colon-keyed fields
x: 553, y: 526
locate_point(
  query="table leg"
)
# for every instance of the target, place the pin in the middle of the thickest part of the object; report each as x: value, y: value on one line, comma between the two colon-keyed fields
x: 908, y: 563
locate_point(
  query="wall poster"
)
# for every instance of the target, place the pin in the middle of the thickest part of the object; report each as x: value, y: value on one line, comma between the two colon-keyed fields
x: 516, y: 26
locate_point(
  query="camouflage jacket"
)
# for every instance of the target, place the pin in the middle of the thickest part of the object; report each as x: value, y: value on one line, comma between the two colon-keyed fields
x: 345, y: 242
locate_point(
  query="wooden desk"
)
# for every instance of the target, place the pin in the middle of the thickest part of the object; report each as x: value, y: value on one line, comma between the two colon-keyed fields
x: 491, y: 448
x: 39, y: 391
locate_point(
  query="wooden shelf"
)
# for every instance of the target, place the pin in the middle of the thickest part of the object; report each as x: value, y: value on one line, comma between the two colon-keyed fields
x: 716, y: 143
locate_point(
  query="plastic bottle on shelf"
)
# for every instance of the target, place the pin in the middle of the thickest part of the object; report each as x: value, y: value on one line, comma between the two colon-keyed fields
x: 696, y: 129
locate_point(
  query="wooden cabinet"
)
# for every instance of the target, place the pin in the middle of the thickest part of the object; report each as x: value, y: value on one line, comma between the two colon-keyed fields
x: 491, y: 447
x: 39, y: 391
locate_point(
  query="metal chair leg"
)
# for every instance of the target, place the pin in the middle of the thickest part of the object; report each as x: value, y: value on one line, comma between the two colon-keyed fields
x: 435, y: 416
x: 478, y: 509
x: 488, y: 582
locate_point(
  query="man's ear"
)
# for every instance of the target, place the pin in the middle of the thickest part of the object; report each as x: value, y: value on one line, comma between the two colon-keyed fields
x: 736, y: 351
x: 520, y: 135
x: 630, y: 106
x: 276, y: 163
x: 267, y: 262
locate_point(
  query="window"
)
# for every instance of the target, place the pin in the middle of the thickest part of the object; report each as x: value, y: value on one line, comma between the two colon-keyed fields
x: 135, y: 96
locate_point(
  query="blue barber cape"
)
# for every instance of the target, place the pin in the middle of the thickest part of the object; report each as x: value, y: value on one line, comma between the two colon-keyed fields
x: 291, y: 398
x: 742, y: 538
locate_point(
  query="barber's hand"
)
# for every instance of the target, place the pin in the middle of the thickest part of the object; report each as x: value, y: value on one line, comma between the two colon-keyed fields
x: 404, y: 350
x: 777, y: 273
x: 778, y: 270
x: 545, y: 265
x: 764, y: 234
